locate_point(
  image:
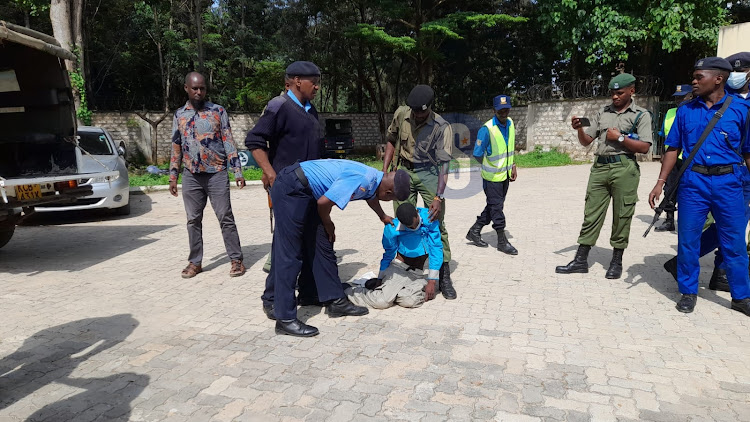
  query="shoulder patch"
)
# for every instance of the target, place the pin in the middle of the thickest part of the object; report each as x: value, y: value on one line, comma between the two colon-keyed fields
x: 439, y: 120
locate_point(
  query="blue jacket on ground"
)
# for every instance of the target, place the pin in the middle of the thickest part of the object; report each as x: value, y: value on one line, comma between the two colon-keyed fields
x: 424, y: 240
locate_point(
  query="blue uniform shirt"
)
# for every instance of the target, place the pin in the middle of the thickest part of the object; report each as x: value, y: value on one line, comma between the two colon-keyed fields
x: 483, y: 145
x: 424, y: 240
x: 307, y: 105
x: 341, y: 181
x: 693, y: 117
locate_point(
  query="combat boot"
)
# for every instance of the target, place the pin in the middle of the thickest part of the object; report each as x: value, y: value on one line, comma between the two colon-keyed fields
x: 719, y: 280
x: 615, y: 266
x: 445, y: 284
x: 475, y: 235
x: 668, y: 225
x: 503, y: 245
x: 579, y: 264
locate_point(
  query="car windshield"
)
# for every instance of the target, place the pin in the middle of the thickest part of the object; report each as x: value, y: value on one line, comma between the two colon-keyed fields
x: 95, y: 143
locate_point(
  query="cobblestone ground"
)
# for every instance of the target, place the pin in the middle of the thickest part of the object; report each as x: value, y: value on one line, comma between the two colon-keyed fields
x: 98, y: 325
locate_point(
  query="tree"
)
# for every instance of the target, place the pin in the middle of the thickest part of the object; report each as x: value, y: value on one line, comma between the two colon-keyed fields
x: 66, y: 17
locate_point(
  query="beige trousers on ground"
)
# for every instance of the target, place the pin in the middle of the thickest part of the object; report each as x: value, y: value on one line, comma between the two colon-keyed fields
x: 400, y: 287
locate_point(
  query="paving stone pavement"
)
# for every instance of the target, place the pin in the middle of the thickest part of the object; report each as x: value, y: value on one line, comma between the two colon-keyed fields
x: 97, y: 324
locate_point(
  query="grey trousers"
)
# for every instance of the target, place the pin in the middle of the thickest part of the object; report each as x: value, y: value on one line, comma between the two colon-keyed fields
x: 400, y: 287
x: 196, y: 189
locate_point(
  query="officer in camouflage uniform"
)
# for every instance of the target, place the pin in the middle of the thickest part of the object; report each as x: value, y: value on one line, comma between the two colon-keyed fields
x: 621, y: 129
x: 419, y: 141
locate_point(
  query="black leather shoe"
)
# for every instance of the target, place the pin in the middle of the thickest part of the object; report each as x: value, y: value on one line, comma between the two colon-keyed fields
x: 687, y: 303
x: 343, y: 307
x: 667, y: 226
x: 296, y: 328
x: 719, y: 280
x: 503, y: 245
x: 308, y: 301
x: 269, y: 312
x: 445, y: 284
x: 615, y: 266
x: 671, y: 267
x: 579, y: 264
x: 742, y: 305
x: 475, y: 236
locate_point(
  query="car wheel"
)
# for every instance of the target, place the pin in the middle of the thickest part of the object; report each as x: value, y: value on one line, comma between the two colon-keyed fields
x: 123, y: 210
x: 6, y: 232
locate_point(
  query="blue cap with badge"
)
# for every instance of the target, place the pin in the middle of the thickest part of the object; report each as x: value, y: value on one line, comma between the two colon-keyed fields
x: 500, y: 102
x: 682, y: 90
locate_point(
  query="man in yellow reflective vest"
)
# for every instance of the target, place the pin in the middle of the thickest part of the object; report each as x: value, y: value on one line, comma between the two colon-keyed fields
x: 495, y: 147
x: 682, y: 93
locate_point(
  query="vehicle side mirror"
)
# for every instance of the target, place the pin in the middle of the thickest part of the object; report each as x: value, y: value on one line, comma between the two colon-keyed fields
x: 121, y: 151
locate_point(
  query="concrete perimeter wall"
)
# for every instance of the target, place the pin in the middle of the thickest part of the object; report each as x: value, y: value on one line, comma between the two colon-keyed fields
x: 543, y: 124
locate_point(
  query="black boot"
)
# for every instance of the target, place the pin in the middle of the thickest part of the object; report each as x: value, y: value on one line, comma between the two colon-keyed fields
x: 615, y: 266
x: 475, y: 235
x: 668, y: 225
x: 445, y: 284
x: 579, y: 264
x: 719, y: 280
x: 343, y: 307
x: 503, y: 245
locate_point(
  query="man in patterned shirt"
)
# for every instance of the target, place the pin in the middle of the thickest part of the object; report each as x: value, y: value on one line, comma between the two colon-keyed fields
x: 202, y: 142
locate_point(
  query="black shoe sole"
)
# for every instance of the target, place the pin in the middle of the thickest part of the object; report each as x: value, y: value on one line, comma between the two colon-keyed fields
x: 508, y: 253
x: 475, y: 243
x: 685, y: 311
x: 339, y: 315
x: 558, y: 271
x: 719, y: 288
x: 612, y: 277
x: 286, y: 333
x: 450, y: 297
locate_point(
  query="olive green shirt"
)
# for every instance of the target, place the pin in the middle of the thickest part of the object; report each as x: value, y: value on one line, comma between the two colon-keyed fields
x: 429, y: 142
x: 608, y: 117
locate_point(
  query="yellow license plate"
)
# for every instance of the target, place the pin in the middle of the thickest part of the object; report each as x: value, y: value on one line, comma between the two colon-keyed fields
x: 28, y: 192
x: 340, y: 151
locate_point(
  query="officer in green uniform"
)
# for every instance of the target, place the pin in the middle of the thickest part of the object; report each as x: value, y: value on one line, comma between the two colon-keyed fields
x: 419, y: 141
x: 621, y: 129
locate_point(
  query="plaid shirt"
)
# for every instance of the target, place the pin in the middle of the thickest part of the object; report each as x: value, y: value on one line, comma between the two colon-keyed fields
x: 202, y: 141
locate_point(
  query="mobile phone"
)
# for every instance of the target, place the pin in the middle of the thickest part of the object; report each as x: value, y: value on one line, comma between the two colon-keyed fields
x: 584, y: 121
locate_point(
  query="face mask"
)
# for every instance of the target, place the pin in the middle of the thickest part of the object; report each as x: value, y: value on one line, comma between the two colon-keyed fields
x: 737, y: 80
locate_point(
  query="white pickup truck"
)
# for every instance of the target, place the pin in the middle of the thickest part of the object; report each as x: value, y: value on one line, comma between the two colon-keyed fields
x: 39, y: 153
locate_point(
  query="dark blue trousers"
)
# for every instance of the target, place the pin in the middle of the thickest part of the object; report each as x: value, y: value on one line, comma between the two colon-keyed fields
x: 723, y: 197
x: 710, y: 236
x: 299, y: 233
x: 493, y: 211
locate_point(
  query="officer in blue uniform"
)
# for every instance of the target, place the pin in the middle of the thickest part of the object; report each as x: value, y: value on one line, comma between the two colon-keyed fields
x: 713, y: 182
x: 495, y: 149
x: 303, y: 196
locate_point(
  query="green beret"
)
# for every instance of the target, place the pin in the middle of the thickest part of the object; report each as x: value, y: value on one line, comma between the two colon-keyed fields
x: 621, y: 81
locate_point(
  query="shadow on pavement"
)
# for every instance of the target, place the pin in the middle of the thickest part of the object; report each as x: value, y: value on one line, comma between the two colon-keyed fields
x: 663, y: 282
x: 250, y: 255
x: 71, y: 248
x: 139, y: 205
x: 53, y: 354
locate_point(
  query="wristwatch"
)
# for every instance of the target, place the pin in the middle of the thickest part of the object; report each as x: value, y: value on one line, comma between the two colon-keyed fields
x: 621, y: 138
x: 440, y: 196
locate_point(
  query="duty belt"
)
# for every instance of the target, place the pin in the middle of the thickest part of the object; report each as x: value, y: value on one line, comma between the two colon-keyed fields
x: 610, y: 159
x: 713, y: 170
x: 406, y: 164
x: 301, y: 176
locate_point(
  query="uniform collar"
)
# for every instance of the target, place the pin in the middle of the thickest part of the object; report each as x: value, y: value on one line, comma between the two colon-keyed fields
x: 496, y: 122
x: 429, y: 121
x: 307, y: 105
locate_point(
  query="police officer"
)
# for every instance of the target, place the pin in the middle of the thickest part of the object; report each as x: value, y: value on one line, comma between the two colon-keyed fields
x: 622, y: 129
x: 738, y: 79
x: 303, y: 196
x: 713, y: 182
x: 288, y: 131
x: 419, y: 141
x: 680, y: 93
x: 495, y: 147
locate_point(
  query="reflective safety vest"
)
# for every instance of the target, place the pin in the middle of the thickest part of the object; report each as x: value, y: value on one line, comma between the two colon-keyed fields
x: 497, y: 167
x: 668, y: 122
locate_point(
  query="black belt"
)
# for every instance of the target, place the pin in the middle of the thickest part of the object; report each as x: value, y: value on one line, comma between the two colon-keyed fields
x: 713, y: 170
x: 406, y: 164
x: 301, y: 176
x: 609, y: 159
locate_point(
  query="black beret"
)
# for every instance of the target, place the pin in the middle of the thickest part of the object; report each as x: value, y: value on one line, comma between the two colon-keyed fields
x: 302, y: 69
x: 420, y: 97
x: 713, y: 63
x: 401, y: 185
x: 739, y: 60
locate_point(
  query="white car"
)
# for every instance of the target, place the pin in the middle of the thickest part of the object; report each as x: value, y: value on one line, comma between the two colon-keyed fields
x: 103, y: 155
